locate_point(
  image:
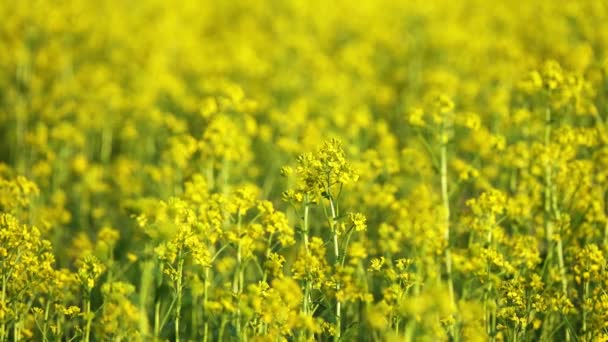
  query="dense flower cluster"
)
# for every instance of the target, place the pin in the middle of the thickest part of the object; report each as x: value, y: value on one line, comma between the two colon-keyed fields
x: 303, y: 170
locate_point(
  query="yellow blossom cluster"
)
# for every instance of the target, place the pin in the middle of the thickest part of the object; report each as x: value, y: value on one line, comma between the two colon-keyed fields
x: 303, y: 170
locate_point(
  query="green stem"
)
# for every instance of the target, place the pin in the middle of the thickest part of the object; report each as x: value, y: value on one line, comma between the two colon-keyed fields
x: 445, y: 198
x: 205, y: 313
x: 146, y: 292
x: 16, y: 331
x: 585, y: 296
x: 157, y: 320
x: 548, y: 183
x: 334, y: 216
x: 178, y: 306
x: 3, y: 336
x: 222, y: 327
x: 348, y: 235
x: 305, y: 229
x: 305, y: 232
x: 549, y: 204
x: 446, y: 207
x: 237, y: 285
x: 47, y: 309
x: 87, y: 310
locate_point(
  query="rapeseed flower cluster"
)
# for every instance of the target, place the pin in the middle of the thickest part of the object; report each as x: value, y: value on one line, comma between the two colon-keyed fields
x: 303, y: 170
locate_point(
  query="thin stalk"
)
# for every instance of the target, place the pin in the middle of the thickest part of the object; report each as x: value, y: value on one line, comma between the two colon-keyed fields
x: 59, y: 325
x: 548, y: 183
x: 490, y: 316
x: 47, y: 308
x: 306, y: 295
x: 146, y: 285
x: 168, y: 313
x: 585, y: 296
x: 560, y: 247
x: 410, y: 328
x: 16, y: 331
x: 87, y: 310
x: 3, y: 336
x: 305, y: 219
x: 157, y: 320
x: 237, y: 284
x: 549, y: 204
x: 334, y: 216
x: 445, y: 198
x: 446, y: 208
x: 305, y: 233
x: 178, y: 306
x: 205, y: 313
x: 222, y: 327
x: 194, y: 316
x: 345, y: 248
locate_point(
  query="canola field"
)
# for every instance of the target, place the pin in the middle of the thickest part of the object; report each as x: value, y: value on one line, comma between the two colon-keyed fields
x: 303, y: 170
